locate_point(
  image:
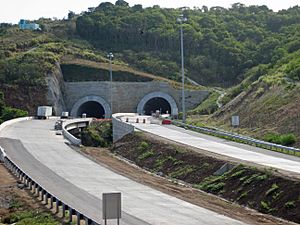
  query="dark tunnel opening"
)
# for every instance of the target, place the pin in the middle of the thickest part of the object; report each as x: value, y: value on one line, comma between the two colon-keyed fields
x: 92, y: 109
x: 157, y: 104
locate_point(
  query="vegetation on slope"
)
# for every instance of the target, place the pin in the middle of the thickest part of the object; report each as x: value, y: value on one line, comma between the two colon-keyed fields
x: 97, y: 134
x: 220, y: 44
x: 8, y: 113
x: 263, y: 190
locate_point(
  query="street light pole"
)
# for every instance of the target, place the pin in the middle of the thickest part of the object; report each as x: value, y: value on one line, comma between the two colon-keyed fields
x: 110, y: 56
x: 182, y: 19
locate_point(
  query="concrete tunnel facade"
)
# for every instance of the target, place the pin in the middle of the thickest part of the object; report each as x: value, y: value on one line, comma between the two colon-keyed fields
x: 128, y: 97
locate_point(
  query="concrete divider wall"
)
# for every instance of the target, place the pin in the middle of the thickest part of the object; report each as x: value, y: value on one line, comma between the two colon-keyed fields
x: 2, y: 154
x: 120, y: 129
x: 10, y: 122
x: 70, y: 123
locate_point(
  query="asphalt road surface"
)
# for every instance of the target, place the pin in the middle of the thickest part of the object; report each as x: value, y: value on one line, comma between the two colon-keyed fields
x: 81, y: 182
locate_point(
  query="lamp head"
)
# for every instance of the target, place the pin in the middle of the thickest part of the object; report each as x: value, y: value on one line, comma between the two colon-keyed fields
x: 110, y: 55
x: 181, y: 18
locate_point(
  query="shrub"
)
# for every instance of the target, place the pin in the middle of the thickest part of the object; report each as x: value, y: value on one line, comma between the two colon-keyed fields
x: 288, y: 139
x: 98, y: 134
x: 143, y: 145
x: 265, y: 206
x: 290, y: 205
x: 271, y: 137
x: 146, y: 155
x: 284, y: 139
x: 11, y: 113
x: 272, y: 189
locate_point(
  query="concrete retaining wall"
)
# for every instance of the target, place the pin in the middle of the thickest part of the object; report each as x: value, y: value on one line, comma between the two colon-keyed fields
x: 70, y: 124
x: 120, y: 129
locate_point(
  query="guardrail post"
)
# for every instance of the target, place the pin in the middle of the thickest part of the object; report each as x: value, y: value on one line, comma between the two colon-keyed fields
x: 46, y: 198
x: 26, y: 180
x: 88, y: 221
x: 43, y: 193
x: 30, y: 184
x: 8, y: 165
x: 58, y: 203
x: 51, y: 202
x: 78, y: 218
x: 63, y: 210
x: 70, y: 214
x: 21, y: 177
x: 36, y: 190
x: 33, y: 188
x: 40, y: 192
x: 15, y: 170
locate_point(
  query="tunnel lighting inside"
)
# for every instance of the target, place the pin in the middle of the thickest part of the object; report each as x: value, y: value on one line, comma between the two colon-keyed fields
x: 92, y: 109
x: 157, y: 104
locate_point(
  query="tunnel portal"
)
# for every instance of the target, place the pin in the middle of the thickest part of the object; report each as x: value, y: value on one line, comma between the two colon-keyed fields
x: 92, y: 109
x: 157, y: 103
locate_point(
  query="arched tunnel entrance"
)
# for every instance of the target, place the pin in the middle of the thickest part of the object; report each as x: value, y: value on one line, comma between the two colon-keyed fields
x: 157, y: 103
x: 93, y: 106
x: 92, y: 109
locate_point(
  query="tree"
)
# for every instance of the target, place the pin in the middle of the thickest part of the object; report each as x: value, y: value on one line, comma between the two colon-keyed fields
x: 122, y: 3
x: 137, y: 7
x: 71, y: 15
x: 2, y: 104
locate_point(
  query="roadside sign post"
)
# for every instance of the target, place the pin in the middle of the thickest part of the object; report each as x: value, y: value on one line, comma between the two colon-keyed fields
x: 235, y: 121
x: 111, y: 206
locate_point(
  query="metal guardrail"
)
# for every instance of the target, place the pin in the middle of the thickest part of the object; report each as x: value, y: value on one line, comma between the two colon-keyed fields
x: 39, y: 191
x: 239, y: 138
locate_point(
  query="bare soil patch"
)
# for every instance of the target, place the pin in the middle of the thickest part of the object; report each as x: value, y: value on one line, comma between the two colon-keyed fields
x: 16, y: 201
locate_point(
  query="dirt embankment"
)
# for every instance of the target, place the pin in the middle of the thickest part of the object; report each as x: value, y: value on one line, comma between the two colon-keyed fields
x: 24, y: 97
x: 18, y: 205
x: 261, y: 190
x: 274, y: 109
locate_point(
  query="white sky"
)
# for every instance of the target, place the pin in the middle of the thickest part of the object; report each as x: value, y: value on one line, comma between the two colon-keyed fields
x: 11, y: 11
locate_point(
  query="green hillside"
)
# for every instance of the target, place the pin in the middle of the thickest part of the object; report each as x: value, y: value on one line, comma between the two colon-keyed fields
x: 221, y: 45
x: 267, y: 101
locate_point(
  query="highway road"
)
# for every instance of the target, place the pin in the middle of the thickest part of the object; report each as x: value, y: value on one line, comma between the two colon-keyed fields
x: 81, y: 182
x: 223, y: 147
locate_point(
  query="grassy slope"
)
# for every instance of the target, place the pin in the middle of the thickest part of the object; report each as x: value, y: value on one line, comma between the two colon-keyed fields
x: 263, y: 190
x: 122, y: 67
x: 268, y: 104
x: 60, y: 41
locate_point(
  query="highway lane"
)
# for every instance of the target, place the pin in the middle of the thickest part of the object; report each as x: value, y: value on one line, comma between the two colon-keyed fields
x: 141, y: 204
x: 47, y: 178
x: 221, y: 147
